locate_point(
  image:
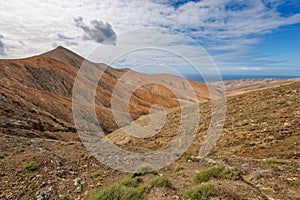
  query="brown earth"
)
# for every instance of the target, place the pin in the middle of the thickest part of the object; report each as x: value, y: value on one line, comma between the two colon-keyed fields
x: 259, y: 144
x: 256, y: 130
x: 36, y: 94
x: 241, y: 86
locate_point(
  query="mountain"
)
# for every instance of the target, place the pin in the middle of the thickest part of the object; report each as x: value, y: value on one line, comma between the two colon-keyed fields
x: 256, y: 156
x: 36, y: 94
x: 41, y: 157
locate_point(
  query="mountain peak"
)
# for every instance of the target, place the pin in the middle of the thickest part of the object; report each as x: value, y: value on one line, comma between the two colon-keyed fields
x: 59, y: 50
x: 65, y: 55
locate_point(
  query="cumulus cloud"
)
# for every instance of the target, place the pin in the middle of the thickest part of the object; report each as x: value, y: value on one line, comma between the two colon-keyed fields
x: 98, y: 31
x: 63, y: 37
x: 2, y: 50
x: 67, y: 41
x: 228, y: 29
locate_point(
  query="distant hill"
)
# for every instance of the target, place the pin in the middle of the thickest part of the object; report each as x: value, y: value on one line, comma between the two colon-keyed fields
x: 36, y: 94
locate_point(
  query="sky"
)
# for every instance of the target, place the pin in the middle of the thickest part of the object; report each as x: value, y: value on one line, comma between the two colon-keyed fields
x: 240, y: 36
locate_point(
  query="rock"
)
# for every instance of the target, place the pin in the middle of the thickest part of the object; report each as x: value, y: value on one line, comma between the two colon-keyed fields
x: 78, y: 181
x: 71, y: 172
x: 260, y: 173
x: 244, y: 168
x: 78, y: 189
x: 58, y: 163
x: 43, y: 184
x: 61, y: 173
x: 82, y: 182
x: 43, y: 194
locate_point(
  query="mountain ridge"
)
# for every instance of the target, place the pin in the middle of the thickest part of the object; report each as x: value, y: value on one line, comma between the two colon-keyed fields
x: 45, y: 82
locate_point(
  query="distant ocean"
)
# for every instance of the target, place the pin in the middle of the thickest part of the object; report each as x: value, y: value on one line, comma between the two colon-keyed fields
x: 196, y: 77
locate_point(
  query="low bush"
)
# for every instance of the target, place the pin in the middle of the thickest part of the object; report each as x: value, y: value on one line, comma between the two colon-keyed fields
x: 144, y: 169
x: 275, y: 161
x: 66, y: 196
x: 162, y: 181
x: 117, y: 191
x: 297, y: 182
x: 130, y: 182
x: 193, y: 159
x: 211, y: 172
x: 3, y: 155
x: 142, y: 189
x: 178, y: 168
x: 201, y: 192
x: 32, y: 166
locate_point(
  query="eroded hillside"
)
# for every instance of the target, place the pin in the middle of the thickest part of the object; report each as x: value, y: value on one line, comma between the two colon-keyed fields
x: 36, y: 94
x: 257, y: 157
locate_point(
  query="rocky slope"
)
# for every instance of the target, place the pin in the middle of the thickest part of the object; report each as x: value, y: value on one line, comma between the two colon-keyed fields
x: 36, y: 94
x: 262, y: 123
x: 259, y: 147
x: 241, y: 86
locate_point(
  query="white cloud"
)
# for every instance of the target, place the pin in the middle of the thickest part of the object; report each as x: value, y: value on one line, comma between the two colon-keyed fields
x: 99, y: 31
x: 217, y: 24
x: 2, y: 45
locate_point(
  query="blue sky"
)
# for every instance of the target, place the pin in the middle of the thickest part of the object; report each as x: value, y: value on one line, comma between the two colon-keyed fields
x: 282, y: 46
x: 242, y: 36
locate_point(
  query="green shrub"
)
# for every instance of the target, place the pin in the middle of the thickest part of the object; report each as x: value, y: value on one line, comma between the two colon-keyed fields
x: 191, y: 158
x: 144, y: 169
x: 178, y: 168
x: 116, y: 191
x: 3, y: 155
x: 23, y: 192
x: 162, y: 181
x: 3, y: 195
x: 142, y: 189
x: 31, y: 174
x: 130, y: 182
x: 28, y: 189
x: 201, y: 192
x: 32, y: 166
x: 70, y: 143
x: 211, y: 172
x: 66, y: 196
x: 297, y: 182
x: 225, y: 159
x: 274, y: 161
x: 18, y: 151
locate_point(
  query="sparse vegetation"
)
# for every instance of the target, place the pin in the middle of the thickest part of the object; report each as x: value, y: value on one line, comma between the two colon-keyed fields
x: 235, y: 173
x: 3, y: 194
x: 66, y: 196
x: 96, y: 174
x: 3, y: 155
x: 211, y: 172
x: 130, y: 182
x: 144, y: 169
x: 31, y: 174
x: 18, y: 151
x: 275, y: 161
x: 178, y: 168
x: 27, y: 189
x: 201, y: 192
x: 297, y: 182
x: 116, y: 191
x: 32, y: 166
x: 275, y: 170
x: 191, y: 158
x: 142, y: 189
x: 225, y: 159
x: 162, y: 181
